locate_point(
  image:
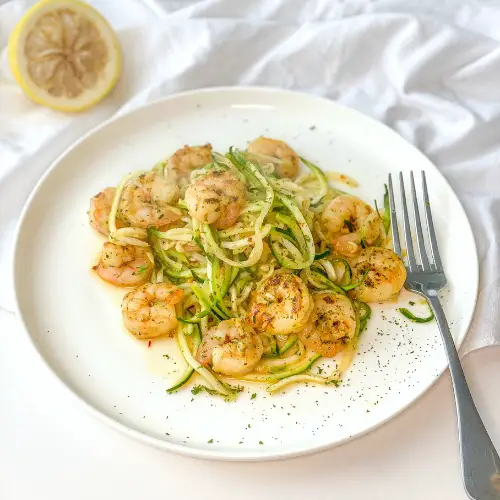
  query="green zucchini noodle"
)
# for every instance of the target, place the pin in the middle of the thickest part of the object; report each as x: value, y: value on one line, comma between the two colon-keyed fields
x: 126, y: 235
x: 220, y: 270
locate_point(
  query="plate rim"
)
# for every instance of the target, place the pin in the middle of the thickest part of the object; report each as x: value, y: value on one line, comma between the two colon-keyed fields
x: 221, y: 455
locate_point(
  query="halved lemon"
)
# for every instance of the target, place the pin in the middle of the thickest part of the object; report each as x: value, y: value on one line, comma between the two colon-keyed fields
x: 64, y: 55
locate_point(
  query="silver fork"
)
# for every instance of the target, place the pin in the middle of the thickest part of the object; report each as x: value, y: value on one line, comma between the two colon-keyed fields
x: 480, y: 460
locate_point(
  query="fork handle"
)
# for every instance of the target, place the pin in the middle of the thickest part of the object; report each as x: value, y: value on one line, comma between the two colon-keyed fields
x: 480, y: 460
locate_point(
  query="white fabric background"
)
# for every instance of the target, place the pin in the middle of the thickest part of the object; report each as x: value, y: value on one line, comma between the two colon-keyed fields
x: 50, y: 449
x: 430, y: 70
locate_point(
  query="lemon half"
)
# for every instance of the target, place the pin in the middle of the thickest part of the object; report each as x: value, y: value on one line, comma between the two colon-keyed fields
x: 64, y: 55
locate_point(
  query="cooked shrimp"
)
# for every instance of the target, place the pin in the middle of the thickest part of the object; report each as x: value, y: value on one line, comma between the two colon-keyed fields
x: 216, y: 198
x: 125, y: 265
x: 385, y: 278
x: 332, y: 324
x: 231, y: 347
x: 147, y: 201
x: 100, y: 207
x: 149, y: 311
x: 349, y: 221
x: 189, y: 158
x: 284, y: 158
x: 281, y: 305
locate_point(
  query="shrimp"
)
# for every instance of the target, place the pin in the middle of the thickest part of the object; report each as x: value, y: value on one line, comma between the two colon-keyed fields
x: 149, y: 311
x: 281, y: 305
x: 385, y: 278
x: 100, y: 208
x: 189, y: 158
x: 216, y: 198
x: 284, y: 158
x: 147, y: 201
x: 231, y: 347
x: 331, y: 326
x: 350, y: 223
x: 125, y: 265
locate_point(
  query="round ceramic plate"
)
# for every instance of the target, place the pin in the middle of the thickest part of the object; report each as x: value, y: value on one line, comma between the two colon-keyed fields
x: 74, y: 319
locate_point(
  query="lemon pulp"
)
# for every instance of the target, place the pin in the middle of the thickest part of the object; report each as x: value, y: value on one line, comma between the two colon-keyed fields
x: 64, y: 55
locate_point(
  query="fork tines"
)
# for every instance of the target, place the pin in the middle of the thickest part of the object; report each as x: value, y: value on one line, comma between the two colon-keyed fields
x: 412, y: 264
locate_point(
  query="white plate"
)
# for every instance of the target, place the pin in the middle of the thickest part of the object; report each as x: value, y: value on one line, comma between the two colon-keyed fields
x: 74, y: 319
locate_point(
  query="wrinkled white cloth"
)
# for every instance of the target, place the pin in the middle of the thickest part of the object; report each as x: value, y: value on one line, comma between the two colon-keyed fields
x: 430, y: 70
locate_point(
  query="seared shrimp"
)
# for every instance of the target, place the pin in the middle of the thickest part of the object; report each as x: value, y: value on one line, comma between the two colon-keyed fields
x: 216, y: 198
x: 281, y: 305
x: 125, y: 265
x: 189, y: 158
x: 147, y: 201
x: 332, y: 324
x: 100, y: 208
x: 385, y: 278
x: 231, y: 347
x: 348, y: 221
x: 284, y: 158
x: 149, y: 311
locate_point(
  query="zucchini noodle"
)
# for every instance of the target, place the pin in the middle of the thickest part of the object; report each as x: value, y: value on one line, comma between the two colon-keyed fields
x: 125, y: 236
x: 129, y: 236
x: 244, y: 242
x: 308, y: 248
x: 244, y: 294
x: 216, y: 250
x: 330, y: 271
x: 218, y: 269
x: 209, y: 377
x: 289, y: 342
x: 296, y: 379
x: 292, y: 249
x: 322, y: 181
x: 276, y: 365
x: 184, y: 378
x: 177, y: 234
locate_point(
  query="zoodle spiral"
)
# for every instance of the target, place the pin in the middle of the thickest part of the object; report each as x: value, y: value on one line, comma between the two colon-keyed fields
x: 256, y: 269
